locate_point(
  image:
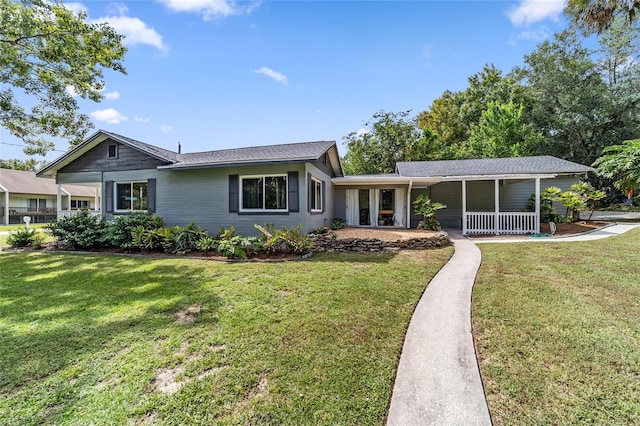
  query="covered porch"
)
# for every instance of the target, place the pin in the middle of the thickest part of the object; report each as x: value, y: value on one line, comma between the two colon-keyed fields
x: 475, y: 204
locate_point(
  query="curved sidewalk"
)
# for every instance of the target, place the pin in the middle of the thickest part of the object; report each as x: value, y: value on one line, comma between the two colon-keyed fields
x: 438, y: 381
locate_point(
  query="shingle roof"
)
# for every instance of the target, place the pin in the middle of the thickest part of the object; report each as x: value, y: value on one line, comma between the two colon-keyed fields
x: 544, y: 164
x: 21, y: 182
x: 156, y: 151
x: 269, y: 153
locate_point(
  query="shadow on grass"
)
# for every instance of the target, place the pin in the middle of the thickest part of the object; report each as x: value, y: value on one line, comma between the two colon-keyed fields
x: 57, y: 308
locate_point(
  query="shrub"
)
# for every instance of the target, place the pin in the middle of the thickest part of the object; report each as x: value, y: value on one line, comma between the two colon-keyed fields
x: 294, y: 240
x: 427, y: 209
x: 25, y: 237
x: 270, y: 238
x: 207, y: 244
x: 338, y: 223
x: 82, y: 230
x: 183, y: 239
x: 238, y: 246
x: 120, y: 229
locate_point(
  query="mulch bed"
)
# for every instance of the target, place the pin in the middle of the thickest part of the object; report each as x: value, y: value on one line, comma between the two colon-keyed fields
x: 561, y: 229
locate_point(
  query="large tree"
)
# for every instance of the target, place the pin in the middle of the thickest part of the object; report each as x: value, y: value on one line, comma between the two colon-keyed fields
x: 388, y: 138
x: 598, y: 15
x: 621, y: 164
x: 45, y: 49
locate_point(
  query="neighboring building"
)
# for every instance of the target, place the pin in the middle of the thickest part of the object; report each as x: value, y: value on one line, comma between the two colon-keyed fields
x: 303, y: 183
x: 24, y: 194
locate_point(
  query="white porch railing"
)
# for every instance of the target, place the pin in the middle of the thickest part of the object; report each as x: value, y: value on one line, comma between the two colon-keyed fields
x: 65, y: 213
x: 508, y: 223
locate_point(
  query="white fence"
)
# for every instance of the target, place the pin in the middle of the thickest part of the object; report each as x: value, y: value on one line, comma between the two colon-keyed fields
x: 508, y: 223
x: 65, y: 213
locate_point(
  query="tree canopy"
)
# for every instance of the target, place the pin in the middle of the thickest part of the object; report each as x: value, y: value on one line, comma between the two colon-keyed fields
x: 621, y: 164
x: 45, y: 49
x: 598, y: 15
x: 388, y: 138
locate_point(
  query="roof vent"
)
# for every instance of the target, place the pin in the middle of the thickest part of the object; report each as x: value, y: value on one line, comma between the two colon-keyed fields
x: 179, y: 148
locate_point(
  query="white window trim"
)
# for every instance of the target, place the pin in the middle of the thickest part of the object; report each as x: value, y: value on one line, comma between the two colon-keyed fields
x: 264, y: 193
x: 115, y: 195
x: 317, y: 182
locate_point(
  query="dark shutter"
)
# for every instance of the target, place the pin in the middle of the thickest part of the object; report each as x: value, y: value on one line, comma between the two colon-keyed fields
x: 151, y: 195
x: 234, y: 193
x: 294, y: 193
x: 309, y: 192
x: 324, y: 198
x: 108, y: 196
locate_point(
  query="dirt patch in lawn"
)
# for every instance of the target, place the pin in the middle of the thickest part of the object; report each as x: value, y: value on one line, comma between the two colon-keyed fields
x: 573, y: 228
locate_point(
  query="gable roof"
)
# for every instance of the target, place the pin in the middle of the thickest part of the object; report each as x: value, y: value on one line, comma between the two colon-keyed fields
x: 25, y: 182
x: 282, y: 153
x: 544, y: 164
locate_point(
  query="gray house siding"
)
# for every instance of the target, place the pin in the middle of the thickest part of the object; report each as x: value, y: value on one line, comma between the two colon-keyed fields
x: 324, y: 218
x: 202, y: 196
x: 97, y: 159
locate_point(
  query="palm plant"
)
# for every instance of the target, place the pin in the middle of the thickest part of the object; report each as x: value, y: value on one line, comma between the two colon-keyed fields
x: 427, y: 209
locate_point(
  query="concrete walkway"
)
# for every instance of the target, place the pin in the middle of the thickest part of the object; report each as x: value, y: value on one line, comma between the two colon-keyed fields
x: 597, y: 234
x: 438, y: 381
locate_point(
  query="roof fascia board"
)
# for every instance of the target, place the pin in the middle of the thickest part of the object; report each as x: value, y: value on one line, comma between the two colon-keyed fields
x: 73, y: 154
x: 3, y: 189
x: 179, y: 166
x: 503, y: 176
x: 387, y: 180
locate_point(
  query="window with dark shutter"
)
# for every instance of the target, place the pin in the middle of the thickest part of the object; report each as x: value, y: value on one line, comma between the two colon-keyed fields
x: 234, y: 193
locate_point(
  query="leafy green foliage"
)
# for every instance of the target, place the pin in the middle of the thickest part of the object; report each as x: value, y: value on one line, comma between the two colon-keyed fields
x: 30, y: 165
x: 183, y: 239
x: 388, y: 138
x: 45, y: 48
x: 427, y: 208
x: 621, y: 163
x: 338, y: 223
x: 25, y: 237
x: 82, y: 230
x: 290, y: 240
x: 121, y: 229
x: 595, y: 16
x: 590, y: 196
x: 206, y: 244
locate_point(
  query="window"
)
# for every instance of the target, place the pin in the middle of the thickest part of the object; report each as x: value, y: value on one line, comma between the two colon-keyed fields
x: 264, y: 192
x: 79, y: 204
x: 131, y: 196
x: 316, y: 195
x: 113, y: 151
x: 37, y: 204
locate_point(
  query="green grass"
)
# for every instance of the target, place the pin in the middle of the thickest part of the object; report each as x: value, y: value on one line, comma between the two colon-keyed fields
x: 85, y: 339
x: 7, y: 228
x: 557, y: 329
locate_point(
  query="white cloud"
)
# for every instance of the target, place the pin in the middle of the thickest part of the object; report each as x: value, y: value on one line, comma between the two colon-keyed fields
x: 532, y: 11
x: 117, y: 8
x: 109, y: 115
x: 165, y: 129
x: 362, y: 131
x: 140, y: 120
x: 112, y: 96
x: 76, y: 7
x: 71, y: 91
x: 534, y: 35
x: 209, y: 9
x: 280, y: 78
x: 134, y: 30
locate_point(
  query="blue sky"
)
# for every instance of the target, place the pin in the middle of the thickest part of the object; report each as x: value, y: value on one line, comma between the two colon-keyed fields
x: 214, y: 74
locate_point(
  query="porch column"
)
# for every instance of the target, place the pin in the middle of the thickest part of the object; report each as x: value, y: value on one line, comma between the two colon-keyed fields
x: 409, y: 205
x: 6, y: 206
x: 96, y: 206
x: 464, y: 207
x: 59, y: 201
x: 537, y: 205
x: 68, y: 201
x: 497, y: 205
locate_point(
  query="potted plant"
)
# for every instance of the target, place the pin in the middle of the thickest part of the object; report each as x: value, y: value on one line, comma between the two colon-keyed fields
x: 427, y: 209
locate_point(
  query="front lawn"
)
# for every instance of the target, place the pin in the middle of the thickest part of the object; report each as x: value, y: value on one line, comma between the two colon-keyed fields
x: 557, y: 329
x: 93, y: 339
